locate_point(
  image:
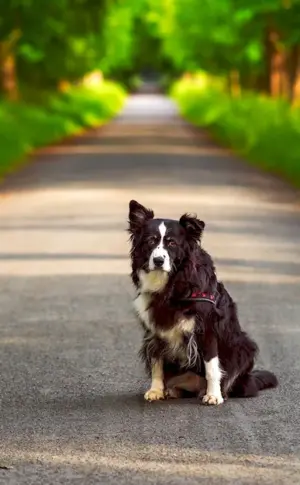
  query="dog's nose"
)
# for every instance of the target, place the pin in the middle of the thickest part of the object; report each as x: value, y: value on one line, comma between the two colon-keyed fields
x: 158, y: 262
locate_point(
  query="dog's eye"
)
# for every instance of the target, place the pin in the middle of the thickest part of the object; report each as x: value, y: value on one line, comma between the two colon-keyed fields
x: 152, y: 241
x: 171, y: 243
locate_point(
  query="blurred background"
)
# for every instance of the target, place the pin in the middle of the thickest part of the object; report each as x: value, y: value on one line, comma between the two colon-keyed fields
x: 66, y: 64
x: 199, y: 93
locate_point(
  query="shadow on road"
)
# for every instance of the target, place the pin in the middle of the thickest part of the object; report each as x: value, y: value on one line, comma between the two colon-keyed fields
x: 161, y: 156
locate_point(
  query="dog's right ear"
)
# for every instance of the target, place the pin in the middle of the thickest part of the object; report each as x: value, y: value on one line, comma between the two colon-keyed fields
x: 138, y: 215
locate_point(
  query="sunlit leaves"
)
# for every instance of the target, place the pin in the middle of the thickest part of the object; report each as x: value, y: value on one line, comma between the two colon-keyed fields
x: 66, y: 38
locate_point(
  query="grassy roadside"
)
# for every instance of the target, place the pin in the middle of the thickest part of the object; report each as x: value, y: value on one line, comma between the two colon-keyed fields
x: 26, y: 126
x: 263, y: 130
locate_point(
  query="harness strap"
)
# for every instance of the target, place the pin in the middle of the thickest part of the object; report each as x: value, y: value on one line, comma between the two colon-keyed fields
x: 199, y: 296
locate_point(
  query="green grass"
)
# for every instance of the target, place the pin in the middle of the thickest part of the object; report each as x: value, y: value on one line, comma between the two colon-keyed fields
x: 24, y: 127
x: 263, y: 130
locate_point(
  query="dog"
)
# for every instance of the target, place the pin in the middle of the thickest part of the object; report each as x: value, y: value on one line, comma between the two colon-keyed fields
x: 192, y: 339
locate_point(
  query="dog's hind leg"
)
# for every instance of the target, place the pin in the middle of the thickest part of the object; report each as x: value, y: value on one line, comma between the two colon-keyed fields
x: 189, y: 382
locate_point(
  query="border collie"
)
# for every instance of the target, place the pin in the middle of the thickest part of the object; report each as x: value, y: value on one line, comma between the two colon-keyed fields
x: 192, y: 339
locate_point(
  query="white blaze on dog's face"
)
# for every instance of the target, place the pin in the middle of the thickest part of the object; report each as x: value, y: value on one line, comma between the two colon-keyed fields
x: 160, y: 258
x: 159, y: 245
x: 162, y: 246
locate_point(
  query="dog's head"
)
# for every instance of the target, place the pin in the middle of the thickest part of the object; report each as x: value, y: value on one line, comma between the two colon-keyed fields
x: 161, y: 244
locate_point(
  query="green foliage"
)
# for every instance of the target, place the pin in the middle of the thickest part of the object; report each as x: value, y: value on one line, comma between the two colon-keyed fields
x: 264, y: 130
x: 24, y: 127
x: 119, y: 36
x: 59, y: 39
x: 63, y: 39
x: 223, y: 35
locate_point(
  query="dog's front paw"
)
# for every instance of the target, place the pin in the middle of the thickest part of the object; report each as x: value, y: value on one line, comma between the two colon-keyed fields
x: 154, y: 395
x: 212, y: 400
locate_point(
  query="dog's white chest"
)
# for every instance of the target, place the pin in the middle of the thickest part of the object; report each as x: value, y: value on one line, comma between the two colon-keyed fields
x: 150, y: 282
x: 141, y: 305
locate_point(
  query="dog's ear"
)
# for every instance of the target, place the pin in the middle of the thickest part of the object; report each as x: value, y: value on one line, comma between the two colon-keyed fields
x: 138, y: 215
x: 193, y: 226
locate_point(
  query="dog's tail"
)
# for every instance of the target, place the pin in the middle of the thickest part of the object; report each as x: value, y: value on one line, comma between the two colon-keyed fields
x: 248, y: 385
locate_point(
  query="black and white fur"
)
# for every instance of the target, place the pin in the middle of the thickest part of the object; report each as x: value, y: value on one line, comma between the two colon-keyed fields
x: 187, y: 346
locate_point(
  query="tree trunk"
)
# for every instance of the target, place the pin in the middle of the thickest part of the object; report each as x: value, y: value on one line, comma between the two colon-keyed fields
x: 293, y: 67
x: 234, y: 83
x: 8, y: 75
x: 276, y: 64
x: 296, y: 83
x: 285, y: 86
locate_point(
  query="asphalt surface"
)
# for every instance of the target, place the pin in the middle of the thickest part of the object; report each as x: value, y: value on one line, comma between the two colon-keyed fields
x: 72, y: 408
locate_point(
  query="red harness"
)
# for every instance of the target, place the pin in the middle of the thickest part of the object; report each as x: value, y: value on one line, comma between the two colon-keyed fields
x: 198, y: 296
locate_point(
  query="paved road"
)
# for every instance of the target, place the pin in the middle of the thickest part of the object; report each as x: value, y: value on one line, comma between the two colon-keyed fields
x: 72, y: 410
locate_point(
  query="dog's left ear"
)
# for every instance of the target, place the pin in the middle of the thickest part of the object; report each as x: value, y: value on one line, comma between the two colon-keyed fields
x: 193, y: 226
x: 138, y: 215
